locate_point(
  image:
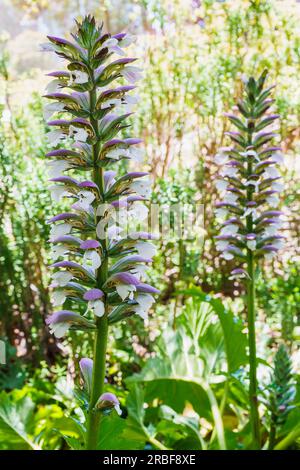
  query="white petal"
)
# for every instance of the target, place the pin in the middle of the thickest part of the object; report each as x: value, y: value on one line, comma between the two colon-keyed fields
x: 55, y: 136
x: 57, y: 167
x: 98, y: 307
x: 62, y: 278
x: 91, y: 259
x: 222, y: 245
x: 79, y: 134
x: 145, y: 249
x: 53, y: 86
x: 231, y: 229
x: 131, y: 73
x: 57, y: 192
x: 228, y: 256
x: 143, y: 188
x: 221, y: 158
x: 278, y: 158
x: 57, y: 251
x: 145, y: 301
x: 273, y: 201
x: 118, y: 409
x: 139, y: 212
x: 59, y: 329
x: 79, y: 77
x: 124, y: 290
x: 221, y: 185
x: 59, y: 230
x: 136, y: 154
x: 251, y: 244
x: 58, y: 297
x: 52, y: 108
x: 221, y: 213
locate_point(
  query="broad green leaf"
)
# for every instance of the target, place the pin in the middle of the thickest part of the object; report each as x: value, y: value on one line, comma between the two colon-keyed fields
x: 15, y: 422
x: 235, y: 342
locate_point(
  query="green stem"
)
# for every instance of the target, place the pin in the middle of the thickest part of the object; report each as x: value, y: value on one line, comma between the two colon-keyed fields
x: 100, y: 342
x: 272, y: 436
x: 254, y: 416
x: 288, y: 440
x: 156, y: 443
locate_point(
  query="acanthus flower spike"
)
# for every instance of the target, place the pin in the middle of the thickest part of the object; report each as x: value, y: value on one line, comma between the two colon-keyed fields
x: 249, y: 231
x: 104, y: 270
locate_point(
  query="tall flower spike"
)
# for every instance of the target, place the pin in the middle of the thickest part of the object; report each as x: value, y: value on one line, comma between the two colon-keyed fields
x: 249, y: 182
x: 105, y: 272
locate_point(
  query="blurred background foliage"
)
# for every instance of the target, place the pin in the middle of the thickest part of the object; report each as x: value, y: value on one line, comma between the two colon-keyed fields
x: 194, y: 54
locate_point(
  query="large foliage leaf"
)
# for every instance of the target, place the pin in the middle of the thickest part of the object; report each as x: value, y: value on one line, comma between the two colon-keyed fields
x: 119, y: 434
x: 15, y: 423
x: 227, y: 332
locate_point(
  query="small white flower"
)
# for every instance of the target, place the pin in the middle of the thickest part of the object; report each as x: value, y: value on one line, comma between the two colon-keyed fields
x: 139, y: 271
x: 54, y: 137
x: 231, y: 198
x: 251, y: 244
x: 227, y: 255
x: 277, y: 186
x: 230, y: 229
x: 270, y: 255
x: 145, y: 302
x: 271, y: 172
x: 113, y: 232
x: 145, y: 249
x: 57, y: 251
x: 57, y: 167
x: 116, y: 154
x: 139, y: 212
x: 221, y: 158
x: 221, y: 185
x: 112, y: 45
x: 58, y: 297
x: 128, y: 40
x: 47, y: 47
x: 273, y: 200
x: 278, y: 158
x: 59, y: 329
x: 54, y: 86
x: 91, y: 259
x: 136, y: 154
x: 229, y: 171
x: 59, y: 230
x: 85, y: 199
x: 253, y: 183
x: 131, y: 73
x: 57, y: 192
x: 222, y: 245
x: 52, y: 108
x: 250, y: 153
x: 125, y: 290
x: 278, y: 244
x: 62, y: 278
x: 79, y: 134
x: 79, y: 77
x: 142, y: 187
x: 272, y: 229
x: 98, y: 307
x: 221, y: 213
x: 249, y: 211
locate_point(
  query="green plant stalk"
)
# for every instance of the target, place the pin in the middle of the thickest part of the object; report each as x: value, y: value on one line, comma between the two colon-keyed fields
x: 100, y: 342
x: 254, y: 415
x: 272, y: 436
x: 289, y: 439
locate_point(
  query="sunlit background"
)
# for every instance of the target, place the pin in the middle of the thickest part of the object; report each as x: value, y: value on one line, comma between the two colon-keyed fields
x: 194, y: 55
